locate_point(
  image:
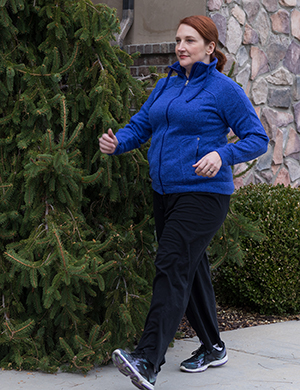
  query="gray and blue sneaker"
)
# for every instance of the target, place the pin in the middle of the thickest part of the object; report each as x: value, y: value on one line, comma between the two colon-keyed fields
x: 137, y: 367
x: 202, y: 359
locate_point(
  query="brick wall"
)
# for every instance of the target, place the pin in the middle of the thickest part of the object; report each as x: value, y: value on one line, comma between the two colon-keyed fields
x: 160, y: 55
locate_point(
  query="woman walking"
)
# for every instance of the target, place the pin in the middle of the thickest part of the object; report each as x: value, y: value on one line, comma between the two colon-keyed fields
x: 187, y: 118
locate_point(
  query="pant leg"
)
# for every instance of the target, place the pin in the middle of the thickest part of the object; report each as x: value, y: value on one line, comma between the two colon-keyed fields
x: 201, y: 310
x: 190, y: 222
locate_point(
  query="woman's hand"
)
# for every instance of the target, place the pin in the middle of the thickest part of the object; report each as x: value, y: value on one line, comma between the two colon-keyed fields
x: 209, y: 165
x: 108, y: 142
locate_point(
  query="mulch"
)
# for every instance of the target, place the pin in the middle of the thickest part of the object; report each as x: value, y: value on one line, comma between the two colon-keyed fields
x: 230, y: 318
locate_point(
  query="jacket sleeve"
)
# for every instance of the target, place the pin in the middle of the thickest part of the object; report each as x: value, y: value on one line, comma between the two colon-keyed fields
x: 139, y: 129
x: 239, y: 114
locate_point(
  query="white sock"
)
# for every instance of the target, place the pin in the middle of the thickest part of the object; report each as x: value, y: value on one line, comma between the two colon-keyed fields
x: 217, y: 347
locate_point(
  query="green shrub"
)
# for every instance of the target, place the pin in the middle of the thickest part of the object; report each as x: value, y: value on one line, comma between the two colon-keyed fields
x: 76, y: 237
x: 269, y: 280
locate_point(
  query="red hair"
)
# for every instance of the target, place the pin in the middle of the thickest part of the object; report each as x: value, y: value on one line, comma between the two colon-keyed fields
x: 209, y: 32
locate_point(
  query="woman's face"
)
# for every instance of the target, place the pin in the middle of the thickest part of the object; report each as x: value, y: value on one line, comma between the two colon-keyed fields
x: 191, y: 47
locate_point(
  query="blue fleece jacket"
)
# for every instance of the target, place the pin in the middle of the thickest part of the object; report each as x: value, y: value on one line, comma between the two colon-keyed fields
x: 188, y: 118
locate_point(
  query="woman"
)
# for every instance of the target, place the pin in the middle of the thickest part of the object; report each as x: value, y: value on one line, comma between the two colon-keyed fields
x: 188, y: 117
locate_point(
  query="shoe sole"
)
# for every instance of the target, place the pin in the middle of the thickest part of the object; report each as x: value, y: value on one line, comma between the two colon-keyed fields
x: 127, y: 369
x: 215, y: 363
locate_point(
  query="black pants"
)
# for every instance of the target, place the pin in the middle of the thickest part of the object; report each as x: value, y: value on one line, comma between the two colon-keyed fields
x: 185, y: 225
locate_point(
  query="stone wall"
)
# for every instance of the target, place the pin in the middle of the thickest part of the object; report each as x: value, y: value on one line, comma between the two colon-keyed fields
x: 262, y: 37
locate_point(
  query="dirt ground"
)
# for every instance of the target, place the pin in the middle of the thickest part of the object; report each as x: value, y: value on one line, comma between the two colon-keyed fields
x: 230, y: 318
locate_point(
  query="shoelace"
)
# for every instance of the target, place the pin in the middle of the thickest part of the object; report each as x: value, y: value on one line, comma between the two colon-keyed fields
x: 138, y: 355
x: 200, y: 350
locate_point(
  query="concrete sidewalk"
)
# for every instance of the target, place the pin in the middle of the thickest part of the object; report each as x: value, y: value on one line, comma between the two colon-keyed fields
x: 264, y: 357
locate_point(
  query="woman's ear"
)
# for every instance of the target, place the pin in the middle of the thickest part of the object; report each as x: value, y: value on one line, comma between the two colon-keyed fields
x: 210, y: 48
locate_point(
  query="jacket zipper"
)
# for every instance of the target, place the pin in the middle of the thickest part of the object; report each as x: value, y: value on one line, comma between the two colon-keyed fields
x: 163, y: 138
x: 198, y: 140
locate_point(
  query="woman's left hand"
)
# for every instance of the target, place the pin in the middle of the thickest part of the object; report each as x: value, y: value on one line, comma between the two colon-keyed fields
x: 209, y: 165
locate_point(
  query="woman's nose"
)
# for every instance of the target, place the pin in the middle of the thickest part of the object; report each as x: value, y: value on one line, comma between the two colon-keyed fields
x: 180, y: 46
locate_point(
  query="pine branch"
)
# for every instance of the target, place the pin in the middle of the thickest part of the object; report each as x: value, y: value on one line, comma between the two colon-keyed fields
x: 63, y: 120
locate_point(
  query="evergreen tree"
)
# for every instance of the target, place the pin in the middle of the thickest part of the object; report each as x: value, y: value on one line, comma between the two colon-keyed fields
x: 76, y: 232
x: 77, y: 239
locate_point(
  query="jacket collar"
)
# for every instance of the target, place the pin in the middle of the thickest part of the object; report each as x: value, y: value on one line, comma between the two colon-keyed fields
x: 198, y: 69
x: 199, y: 72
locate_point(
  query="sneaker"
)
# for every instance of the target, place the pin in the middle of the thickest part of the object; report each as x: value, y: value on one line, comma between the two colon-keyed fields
x: 202, y: 359
x: 137, y: 367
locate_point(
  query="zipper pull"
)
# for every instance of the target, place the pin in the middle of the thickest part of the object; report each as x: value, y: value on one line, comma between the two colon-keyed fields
x: 186, y: 83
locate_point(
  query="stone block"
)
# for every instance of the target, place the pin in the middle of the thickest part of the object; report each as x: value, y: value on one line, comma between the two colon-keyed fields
x: 239, y: 14
x: 284, y: 118
x: 214, y: 5
x: 259, y: 62
x: 267, y: 175
x: 278, y: 148
x: 238, y: 182
x: 239, y: 169
x: 250, y: 36
x: 296, y: 184
x: 269, y: 122
x: 234, y: 35
x: 257, y: 110
x: 251, y: 8
x: 292, y: 148
x: 272, y: 119
x: 295, y: 23
x: 270, y: 5
x: 221, y: 23
x: 279, y: 97
x: 296, y: 91
x: 281, y: 21
x: 280, y: 77
x: 230, y: 60
x: 288, y: 3
x: 275, y: 169
x: 249, y: 179
x: 262, y: 26
x: 292, y: 58
x: 260, y: 91
x: 297, y: 115
x: 243, y: 76
x: 283, y: 177
x: 265, y: 161
x: 294, y: 168
x: 242, y: 56
x: 275, y: 53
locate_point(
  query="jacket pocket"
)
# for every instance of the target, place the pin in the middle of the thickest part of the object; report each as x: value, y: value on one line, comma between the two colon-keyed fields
x: 190, y: 151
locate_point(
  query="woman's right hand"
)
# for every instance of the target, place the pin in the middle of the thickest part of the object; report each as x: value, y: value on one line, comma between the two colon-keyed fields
x: 108, y: 142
